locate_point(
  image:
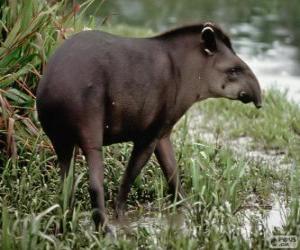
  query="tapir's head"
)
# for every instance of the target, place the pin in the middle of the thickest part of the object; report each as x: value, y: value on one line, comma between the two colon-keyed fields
x: 224, y: 73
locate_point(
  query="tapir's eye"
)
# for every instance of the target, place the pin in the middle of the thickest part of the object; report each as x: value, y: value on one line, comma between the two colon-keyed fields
x: 235, y: 71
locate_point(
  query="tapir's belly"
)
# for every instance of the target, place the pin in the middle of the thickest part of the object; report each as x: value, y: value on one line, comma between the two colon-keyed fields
x: 114, y: 133
x: 110, y: 138
x: 130, y: 123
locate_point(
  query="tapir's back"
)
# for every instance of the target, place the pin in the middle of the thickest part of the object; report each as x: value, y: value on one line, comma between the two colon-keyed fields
x: 92, y: 58
x: 75, y: 65
x: 98, y: 74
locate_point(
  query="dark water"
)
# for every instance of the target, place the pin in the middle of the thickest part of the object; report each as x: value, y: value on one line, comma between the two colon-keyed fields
x: 266, y: 33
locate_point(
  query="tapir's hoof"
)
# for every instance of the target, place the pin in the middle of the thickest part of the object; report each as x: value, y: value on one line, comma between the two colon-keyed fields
x: 120, y: 212
x: 109, y: 232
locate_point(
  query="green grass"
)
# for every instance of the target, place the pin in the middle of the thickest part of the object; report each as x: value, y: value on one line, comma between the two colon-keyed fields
x: 276, y: 126
x: 221, y: 181
x: 218, y: 182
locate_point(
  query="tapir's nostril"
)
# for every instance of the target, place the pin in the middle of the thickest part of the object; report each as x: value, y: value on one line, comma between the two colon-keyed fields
x: 243, y: 94
x: 244, y: 97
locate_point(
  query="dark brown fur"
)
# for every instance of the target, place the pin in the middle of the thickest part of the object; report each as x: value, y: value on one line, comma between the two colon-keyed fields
x: 100, y: 89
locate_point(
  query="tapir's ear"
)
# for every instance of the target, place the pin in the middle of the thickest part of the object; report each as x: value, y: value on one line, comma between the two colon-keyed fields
x: 208, y: 40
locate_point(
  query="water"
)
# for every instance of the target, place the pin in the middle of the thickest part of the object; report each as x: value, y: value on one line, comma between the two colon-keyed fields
x: 265, y: 33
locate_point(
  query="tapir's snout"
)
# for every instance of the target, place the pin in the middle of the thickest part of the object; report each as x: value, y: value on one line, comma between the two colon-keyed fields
x: 258, y: 104
x: 246, y: 98
x: 252, y: 94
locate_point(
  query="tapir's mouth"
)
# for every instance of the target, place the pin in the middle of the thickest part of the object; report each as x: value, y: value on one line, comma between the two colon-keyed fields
x: 258, y: 105
x: 246, y: 98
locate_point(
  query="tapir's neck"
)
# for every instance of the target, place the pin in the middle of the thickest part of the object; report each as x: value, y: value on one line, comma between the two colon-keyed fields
x: 186, y: 76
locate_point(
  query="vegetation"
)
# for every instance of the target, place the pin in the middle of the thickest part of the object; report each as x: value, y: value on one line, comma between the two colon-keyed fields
x: 222, y: 183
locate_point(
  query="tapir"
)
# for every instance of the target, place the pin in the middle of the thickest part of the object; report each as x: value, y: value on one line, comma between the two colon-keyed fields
x: 99, y: 89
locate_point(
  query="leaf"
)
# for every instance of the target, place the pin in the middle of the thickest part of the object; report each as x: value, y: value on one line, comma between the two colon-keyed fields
x: 8, y: 59
x: 10, y: 139
x: 12, y: 37
x: 27, y: 14
x: 17, y: 96
x: 13, y: 7
x: 6, y: 238
x: 10, y: 78
x: 6, y: 110
x: 31, y: 128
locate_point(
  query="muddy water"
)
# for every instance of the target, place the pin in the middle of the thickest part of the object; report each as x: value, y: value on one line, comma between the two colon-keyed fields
x: 154, y: 222
x: 269, y: 219
x: 274, y: 214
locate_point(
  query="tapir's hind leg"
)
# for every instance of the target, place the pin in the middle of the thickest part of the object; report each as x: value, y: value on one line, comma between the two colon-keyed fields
x: 64, y: 150
x: 63, y: 145
x: 63, y: 142
x: 96, y: 176
x: 91, y: 137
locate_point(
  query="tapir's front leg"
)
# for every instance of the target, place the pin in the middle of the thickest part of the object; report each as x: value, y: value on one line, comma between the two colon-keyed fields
x: 140, y: 155
x: 166, y: 158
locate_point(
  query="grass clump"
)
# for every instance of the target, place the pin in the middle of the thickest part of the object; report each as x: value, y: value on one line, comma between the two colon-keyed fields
x: 275, y: 126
